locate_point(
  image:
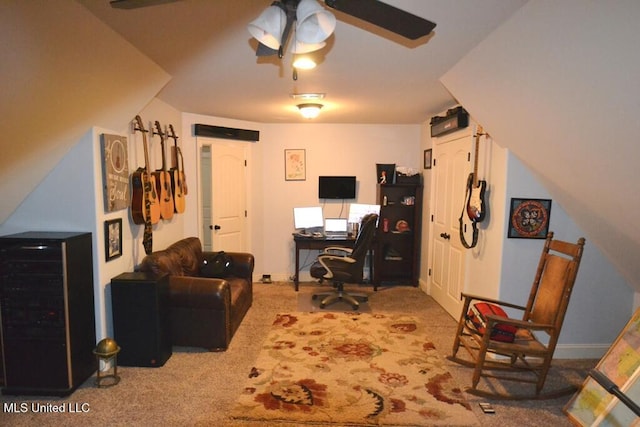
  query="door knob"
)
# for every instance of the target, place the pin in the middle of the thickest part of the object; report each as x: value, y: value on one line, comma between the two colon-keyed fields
x: 445, y: 236
x: 216, y: 227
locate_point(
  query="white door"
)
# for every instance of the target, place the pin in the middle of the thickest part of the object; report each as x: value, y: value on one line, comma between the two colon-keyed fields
x: 225, y: 217
x: 448, y: 255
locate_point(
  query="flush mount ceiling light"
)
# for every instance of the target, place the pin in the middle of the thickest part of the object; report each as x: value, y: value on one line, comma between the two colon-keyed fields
x: 310, y: 110
x: 307, y: 96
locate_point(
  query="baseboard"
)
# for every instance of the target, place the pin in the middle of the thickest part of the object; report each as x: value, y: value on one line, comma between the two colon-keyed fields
x: 424, y: 286
x: 580, y: 351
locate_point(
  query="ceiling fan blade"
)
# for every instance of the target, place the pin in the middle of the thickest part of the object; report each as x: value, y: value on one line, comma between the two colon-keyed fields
x: 386, y: 16
x: 135, y: 4
x: 264, y: 50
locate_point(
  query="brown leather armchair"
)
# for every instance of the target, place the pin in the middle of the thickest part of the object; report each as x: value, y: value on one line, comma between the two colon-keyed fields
x: 205, y: 311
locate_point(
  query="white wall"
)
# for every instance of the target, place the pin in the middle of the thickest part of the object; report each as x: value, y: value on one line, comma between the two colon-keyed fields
x: 599, y: 287
x: 425, y: 144
x: 330, y: 150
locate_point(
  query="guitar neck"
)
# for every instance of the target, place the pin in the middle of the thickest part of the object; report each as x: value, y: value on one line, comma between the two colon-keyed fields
x: 172, y: 134
x: 164, y: 161
x: 162, y: 139
x: 475, y: 157
x: 181, y: 162
x: 147, y: 168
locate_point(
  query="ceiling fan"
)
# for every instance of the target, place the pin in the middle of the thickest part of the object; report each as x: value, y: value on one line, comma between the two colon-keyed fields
x: 375, y: 12
x: 385, y: 16
x: 314, y: 24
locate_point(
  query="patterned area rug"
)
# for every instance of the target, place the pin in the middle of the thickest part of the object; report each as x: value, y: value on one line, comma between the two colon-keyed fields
x: 351, y: 369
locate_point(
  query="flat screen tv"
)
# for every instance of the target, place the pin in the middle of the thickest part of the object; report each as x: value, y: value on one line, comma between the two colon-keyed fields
x: 337, y: 187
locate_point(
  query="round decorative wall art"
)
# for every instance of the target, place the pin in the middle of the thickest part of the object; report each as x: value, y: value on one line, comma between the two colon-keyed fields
x: 529, y: 218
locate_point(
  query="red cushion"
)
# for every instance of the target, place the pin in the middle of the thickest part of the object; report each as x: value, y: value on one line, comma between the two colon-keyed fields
x: 500, y: 332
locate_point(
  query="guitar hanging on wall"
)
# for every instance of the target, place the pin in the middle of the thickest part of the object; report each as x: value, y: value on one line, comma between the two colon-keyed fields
x: 163, y: 179
x: 178, y: 183
x: 144, y: 203
x: 474, y: 206
x: 476, y: 187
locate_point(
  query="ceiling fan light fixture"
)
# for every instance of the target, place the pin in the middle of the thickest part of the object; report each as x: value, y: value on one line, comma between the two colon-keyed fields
x: 310, y: 110
x: 304, y: 63
x: 314, y: 23
x: 269, y: 26
x: 299, y: 47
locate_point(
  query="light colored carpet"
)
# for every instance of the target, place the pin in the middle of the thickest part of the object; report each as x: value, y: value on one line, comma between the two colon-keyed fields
x: 354, y: 369
x: 199, y: 388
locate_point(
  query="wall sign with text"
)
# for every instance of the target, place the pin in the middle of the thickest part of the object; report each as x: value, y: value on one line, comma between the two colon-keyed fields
x: 115, y: 172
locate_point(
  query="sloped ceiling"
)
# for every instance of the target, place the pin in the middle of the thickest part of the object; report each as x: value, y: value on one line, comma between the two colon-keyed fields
x: 558, y: 85
x: 63, y: 72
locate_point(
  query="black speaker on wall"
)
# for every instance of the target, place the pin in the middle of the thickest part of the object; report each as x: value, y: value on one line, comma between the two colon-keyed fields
x: 226, y: 133
x: 141, y: 322
x: 455, y: 119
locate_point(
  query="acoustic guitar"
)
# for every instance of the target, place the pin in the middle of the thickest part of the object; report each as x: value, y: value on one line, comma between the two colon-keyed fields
x: 144, y: 200
x: 476, y: 188
x: 178, y: 183
x: 163, y: 180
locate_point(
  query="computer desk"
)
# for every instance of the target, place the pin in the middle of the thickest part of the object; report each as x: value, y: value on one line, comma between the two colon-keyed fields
x: 316, y: 243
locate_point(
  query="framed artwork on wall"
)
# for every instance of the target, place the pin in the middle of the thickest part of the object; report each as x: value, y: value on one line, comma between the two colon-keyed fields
x: 113, y: 238
x: 115, y: 172
x: 427, y: 158
x: 529, y: 218
x: 295, y: 166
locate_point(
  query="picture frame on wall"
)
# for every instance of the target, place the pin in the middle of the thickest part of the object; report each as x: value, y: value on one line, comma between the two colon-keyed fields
x: 113, y: 238
x: 529, y: 218
x: 295, y: 164
x: 427, y: 158
x: 115, y: 172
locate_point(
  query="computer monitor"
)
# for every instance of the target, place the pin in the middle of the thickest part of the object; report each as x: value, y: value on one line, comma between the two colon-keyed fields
x: 335, y: 225
x: 308, y: 218
x: 358, y: 210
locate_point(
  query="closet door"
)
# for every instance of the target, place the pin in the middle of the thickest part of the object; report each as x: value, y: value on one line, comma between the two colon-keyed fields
x: 447, y: 255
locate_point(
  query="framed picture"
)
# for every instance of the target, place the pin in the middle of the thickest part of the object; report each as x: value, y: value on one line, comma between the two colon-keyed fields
x: 529, y: 218
x: 113, y: 238
x: 427, y: 158
x: 115, y: 172
x: 295, y: 165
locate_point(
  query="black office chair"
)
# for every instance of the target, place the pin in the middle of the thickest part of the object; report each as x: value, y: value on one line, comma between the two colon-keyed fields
x: 344, y: 265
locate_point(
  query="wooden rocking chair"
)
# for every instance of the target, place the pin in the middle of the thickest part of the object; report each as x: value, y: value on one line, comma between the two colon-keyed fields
x: 527, y: 359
